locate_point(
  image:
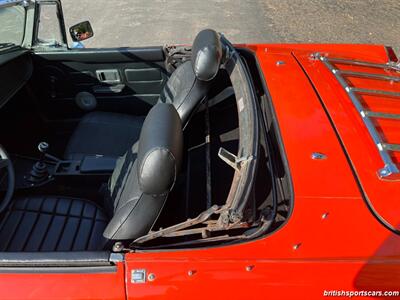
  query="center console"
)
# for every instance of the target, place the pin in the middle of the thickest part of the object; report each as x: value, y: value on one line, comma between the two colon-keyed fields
x: 32, y: 173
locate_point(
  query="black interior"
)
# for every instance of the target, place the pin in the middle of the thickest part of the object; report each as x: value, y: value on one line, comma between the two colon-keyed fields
x: 43, y: 107
x: 110, y: 134
x: 50, y: 223
x: 122, y: 80
x: 131, y: 147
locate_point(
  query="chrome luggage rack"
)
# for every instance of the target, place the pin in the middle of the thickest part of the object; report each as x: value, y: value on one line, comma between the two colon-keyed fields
x: 389, y: 169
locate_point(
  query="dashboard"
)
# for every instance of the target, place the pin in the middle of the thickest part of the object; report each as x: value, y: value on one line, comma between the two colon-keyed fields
x: 15, y: 70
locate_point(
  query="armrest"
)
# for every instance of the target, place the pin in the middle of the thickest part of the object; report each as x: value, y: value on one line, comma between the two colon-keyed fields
x: 98, y: 164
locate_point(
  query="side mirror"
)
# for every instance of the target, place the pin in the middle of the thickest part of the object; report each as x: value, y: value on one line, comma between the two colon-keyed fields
x: 81, y: 31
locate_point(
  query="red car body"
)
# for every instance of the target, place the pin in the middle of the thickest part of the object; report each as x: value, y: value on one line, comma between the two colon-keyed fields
x: 331, y: 242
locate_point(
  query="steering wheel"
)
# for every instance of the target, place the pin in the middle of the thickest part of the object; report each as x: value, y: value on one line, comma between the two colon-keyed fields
x: 5, y: 163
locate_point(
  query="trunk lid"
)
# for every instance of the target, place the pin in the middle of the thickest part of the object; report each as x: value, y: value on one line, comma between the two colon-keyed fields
x: 361, y: 96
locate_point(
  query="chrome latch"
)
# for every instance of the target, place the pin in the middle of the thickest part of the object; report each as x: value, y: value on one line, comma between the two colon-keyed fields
x: 138, y: 276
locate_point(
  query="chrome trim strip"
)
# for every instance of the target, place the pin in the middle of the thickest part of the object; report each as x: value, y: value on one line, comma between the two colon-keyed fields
x: 389, y: 167
x: 392, y: 147
x: 390, y: 65
x: 374, y: 92
x: 369, y: 75
x: 381, y: 115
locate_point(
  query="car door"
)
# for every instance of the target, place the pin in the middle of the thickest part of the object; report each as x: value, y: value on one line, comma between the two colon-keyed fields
x: 58, y: 275
x: 121, y: 80
x: 127, y: 80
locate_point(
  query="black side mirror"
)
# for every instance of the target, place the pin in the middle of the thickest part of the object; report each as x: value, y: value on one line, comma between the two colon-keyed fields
x: 81, y: 31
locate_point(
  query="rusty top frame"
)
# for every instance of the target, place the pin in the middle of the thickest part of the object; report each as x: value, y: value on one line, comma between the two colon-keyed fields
x: 229, y: 216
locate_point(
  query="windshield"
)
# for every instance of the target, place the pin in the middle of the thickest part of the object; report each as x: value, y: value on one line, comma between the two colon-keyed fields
x: 12, y: 25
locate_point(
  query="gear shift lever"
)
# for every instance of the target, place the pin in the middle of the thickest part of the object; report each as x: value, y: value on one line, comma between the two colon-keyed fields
x: 39, y: 171
x: 43, y: 147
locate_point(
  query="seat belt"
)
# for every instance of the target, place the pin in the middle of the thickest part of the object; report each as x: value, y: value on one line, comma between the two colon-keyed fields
x: 222, y: 96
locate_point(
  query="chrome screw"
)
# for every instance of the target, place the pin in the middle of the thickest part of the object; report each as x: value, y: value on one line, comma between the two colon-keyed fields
x: 249, y: 268
x: 318, y: 156
x: 383, y: 172
x: 297, y: 246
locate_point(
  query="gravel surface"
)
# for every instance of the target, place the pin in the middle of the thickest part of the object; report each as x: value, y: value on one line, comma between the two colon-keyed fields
x: 157, y: 22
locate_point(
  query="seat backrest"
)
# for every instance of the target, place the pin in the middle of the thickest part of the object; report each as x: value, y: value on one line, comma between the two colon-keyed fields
x: 190, y: 82
x: 141, y: 185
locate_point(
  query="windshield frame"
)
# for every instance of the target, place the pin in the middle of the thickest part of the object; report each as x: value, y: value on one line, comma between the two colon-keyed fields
x: 12, y: 3
x: 36, y: 43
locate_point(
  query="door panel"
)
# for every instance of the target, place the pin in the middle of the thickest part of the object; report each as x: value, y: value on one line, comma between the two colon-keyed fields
x: 51, y: 284
x: 127, y: 80
x: 61, y: 275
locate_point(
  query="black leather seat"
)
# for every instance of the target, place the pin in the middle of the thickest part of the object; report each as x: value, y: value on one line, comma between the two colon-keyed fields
x: 140, y: 187
x: 135, y: 199
x: 52, y: 224
x: 108, y: 134
x: 112, y: 134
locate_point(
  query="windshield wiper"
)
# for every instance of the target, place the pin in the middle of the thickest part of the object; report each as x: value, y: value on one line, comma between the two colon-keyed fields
x: 6, y: 45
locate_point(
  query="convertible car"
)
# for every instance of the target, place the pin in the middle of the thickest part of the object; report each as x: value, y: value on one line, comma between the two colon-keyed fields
x: 198, y: 171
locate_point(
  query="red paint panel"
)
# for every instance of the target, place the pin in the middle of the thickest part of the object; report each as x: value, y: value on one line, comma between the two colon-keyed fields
x: 304, y: 124
x: 291, y: 279
x: 38, y: 286
x: 383, y: 194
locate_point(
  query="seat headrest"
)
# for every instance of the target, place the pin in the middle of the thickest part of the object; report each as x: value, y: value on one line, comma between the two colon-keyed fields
x: 206, y: 54
x: 160, y: 150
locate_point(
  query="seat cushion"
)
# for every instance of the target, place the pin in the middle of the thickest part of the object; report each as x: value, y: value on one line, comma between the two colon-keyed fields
x: 184, y: 91
x: 141, y: 182
x: 101, y: 133
x: 51, y: 223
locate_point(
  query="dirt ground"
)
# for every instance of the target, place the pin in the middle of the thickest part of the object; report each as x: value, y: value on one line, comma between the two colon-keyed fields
x: 158, y: 22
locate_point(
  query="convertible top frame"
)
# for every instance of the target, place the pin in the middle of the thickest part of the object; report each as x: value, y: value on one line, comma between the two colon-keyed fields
x: 231, y: 214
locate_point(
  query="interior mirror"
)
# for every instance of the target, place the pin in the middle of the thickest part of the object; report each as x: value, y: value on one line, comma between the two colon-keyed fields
x: 81, y: 31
